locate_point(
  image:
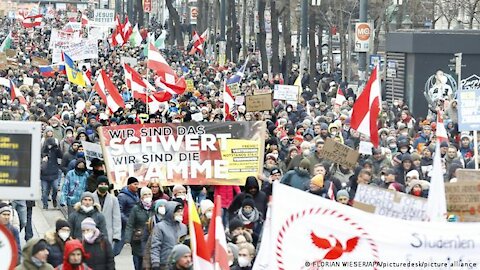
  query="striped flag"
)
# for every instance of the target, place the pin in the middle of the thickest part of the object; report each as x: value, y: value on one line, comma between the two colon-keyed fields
x: 14, y: 91
x: 441, y: 131
x: 49, y: 71
x: 228, y: 103
x: 127, y: 29
x: 340, y: 98
x: 32, y: 21
x: 7, y: 43
x: 167, y: 76
x: 201, y: 254
x: 142, y: 89
x: 437, y: 205
x: 331, y: 194
x: 117, y: 36
x: 108, y: 92
x: 135, y: 38
x: 85, y: 20
x: 198, y: 42
x: 217, y: 242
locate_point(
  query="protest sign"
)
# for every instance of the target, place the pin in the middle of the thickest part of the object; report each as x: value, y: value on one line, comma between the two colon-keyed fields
x: 28, y: 81
x: 308, y: 230
x: 235, y: 88
x: 365, y: 148
x: 11, y: 53
x: 239, y: 100
x: 261, y: 91
x: 463, y: 199
x: 285, y: 92
x: 197, y: 117
x: 86, y: 49
x: 60, y: 38
x: 98, y: 33
x: 189, y: 153
x: 390, y: 203
x: 37, y: 61
x: 131, y: 61
x: 92, y: 150
x: 467, y: 174
x: 103, y: 17
x: 3, y: 58
x: 259, y: 103
x: 339, y: 153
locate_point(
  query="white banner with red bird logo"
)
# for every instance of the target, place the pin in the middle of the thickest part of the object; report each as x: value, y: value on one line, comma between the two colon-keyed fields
x: 310, y: 232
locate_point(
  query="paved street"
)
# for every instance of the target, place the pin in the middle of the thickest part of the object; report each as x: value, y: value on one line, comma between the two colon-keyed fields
x: 44, y: 221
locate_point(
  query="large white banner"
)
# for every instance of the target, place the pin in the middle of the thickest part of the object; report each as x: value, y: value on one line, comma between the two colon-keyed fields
x: 310, y: 232
x: 59, y: 38
x: 103, y: 17
x: 86, y: 49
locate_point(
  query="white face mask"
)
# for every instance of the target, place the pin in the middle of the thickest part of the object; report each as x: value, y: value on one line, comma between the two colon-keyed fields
x: 179, y: 218
x: 64, y: 235
x: 243, y: 262
x: 147, y: 200
x: 306, y: 152
x: 209, y: 215
x: 161, y: 210
x: 88, y: 235
x: 181, y: 197
x: 86, y: 209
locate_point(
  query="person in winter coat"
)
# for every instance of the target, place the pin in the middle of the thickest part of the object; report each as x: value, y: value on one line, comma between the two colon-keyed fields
x: 97, y: 245
x: 167, y: 234
x: 135, y: 230
x: 404, y: 168
x: 74, y: 185
x: 50, y: 171
x: 251, y: 188
x: 157, y: 191
x: 74, y: 257
x: 299, y: 177
x: 179, y: 194
x: 56, y: 242
x: 127, y: 199
x: 159, y: 214
x: 67, y: 141
x: 70, y: 155
x: 206, y: 213
x: 228, y: 194
x: 246, y: 256
x: 5, y: 216
x: 181, y: 258
x: 35, y: 254
x: 86, y: 208
x: 97, y: 170
x: 110, y: 209
x: 251, y: 218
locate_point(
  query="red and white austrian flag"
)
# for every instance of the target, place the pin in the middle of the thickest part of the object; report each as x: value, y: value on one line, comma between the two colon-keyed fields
x: 311, y: 232
x: 108, y: 92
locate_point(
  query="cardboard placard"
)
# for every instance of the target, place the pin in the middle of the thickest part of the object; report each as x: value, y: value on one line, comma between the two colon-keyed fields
x: 390, y: 203
x: 197, y: 117
x: 239, y: 100
x: 463, y: 199
x: 257, y: 103
x: 339, y: 153
x: 37, y: 61
x: 467, y: 174
x: 11, y: 53
x: 285, y: 92
x: 92, y: 150
x: 235, y: 88
x: 365, y: 148
x: 3, y: 58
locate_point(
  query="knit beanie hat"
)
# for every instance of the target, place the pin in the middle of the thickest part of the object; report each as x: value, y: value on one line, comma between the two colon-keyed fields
x: 248, y: 201
x: 61, y: 223
x: 234, y: 249
x: 305, y: 164
x: 144, y: 190
x: 39, y: 246
x: 88, y: 223
x: 205, y: 205
x: 234, y: 224
x: 132, y: 180
x: 102, y: 179
x: 178, y: 252
x: 86, y: 194
x: 343, y: 193
x: 178, y: 188
x: 317, y: 180
x: 4, y: 207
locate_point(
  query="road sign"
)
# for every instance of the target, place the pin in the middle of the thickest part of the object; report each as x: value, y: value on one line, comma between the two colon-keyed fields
x: 363, y: 35
x: 391, y: 69
x: 8, y: 249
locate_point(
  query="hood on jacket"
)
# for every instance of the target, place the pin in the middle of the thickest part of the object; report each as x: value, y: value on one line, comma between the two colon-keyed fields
x: 27, y: 250
x: 251, y: 183
x: 78, y: 207
x: 71, y: 246
x: 126, y: 191
x: 170, y: 210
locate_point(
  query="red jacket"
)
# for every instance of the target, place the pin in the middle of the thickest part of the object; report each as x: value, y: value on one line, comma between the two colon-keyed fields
x: 227, y: 193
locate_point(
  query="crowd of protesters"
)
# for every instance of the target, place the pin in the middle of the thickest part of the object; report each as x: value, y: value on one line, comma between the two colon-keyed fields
x: 153, y: 219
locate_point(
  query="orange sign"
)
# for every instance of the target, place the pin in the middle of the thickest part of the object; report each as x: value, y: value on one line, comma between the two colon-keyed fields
x: 147, y: 5
x: 363, y: 31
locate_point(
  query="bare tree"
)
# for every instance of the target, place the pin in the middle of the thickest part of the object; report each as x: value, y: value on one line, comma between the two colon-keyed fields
x: 176, y: 30
x: 287, y: 36
x: 262, y: 35
x: 275, y: 60
x: 312, y: 22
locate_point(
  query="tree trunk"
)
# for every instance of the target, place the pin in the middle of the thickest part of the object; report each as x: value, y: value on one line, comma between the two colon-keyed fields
x: 139, y: 13
x: 262, y: 36
x: 234, y: 32
x: 343, y: 46
x: 320, y: 41
x: 171, y: 32
x: 176, y: 24
x: 287, y: 39
x: 244, y: 29
x: 311, y: 43
x: 275, y: 61
x: 201, y: 14
x: 378, y: 26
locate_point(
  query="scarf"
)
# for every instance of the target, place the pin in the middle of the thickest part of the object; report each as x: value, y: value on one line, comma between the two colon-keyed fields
x: 147, y: 206
x: 254, y: 217
x: 37, y: 262
x: 96, y: 234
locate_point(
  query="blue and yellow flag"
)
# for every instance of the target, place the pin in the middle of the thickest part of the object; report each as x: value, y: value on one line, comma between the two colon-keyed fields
x: 73, y: 74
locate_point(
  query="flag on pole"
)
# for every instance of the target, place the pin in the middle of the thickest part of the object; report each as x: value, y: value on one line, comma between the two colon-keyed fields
x: 32, y: 21
x: 198, y: 41
x: 367, y: 107
x: 437, y: 205
x: 73, y: 74
x: 228, y: 103
x: 87, y: 76
x: 340, y: 98
x: 441, y: 132
x: 14, y: 91
x: 331, y: 194
x: 217, y: 242
x: 201, y: 255
x: 85, y: 20
x: 142, y: 89
x: 298, y: 83
x: 127, y: 29
x: 238, y: 76
x: 108, y: 92
x: 117, y: 35
x: 160, y: 41
x: 49, y: 71
x: 7, y: 43
x: 167, y: 76
x: 135, y: 38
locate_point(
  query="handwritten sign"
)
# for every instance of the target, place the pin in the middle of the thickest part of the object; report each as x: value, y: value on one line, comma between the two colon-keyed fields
x: 92, y: 150
x: 285, y: 92
x: 235, y: 88
x: 390, y: 203
x: 37, y: 61
x: 190, y: 85
x: 257, y: 103
x: 463, y: 199
x: 339, y: 153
